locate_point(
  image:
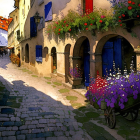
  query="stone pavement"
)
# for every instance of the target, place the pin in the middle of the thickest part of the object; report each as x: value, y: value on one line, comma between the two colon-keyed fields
x: 43, y: 113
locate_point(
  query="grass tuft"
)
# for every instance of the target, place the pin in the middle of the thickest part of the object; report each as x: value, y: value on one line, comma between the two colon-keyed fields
x: 47, y: 78
x: 56, y: 83
x: 71, y: 98
x: 34, y: 76
x: 63, y: 90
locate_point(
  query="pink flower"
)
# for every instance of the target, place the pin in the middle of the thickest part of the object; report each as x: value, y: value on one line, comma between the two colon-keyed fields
x: 102, y: 16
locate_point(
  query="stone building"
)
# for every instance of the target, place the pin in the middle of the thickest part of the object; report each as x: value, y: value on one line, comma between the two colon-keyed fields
x: 13, y: 31
x: 52, y: 56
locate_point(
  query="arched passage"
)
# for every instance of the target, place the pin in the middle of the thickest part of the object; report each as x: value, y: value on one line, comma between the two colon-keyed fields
x: 27, y: 53
x: 53, y: 60
x: 67, y: 62
x: 81, y: 57
x: 45, y: 53
x: 114, y: 48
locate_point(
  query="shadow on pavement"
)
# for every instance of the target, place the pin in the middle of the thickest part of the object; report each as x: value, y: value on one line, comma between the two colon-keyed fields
x: 27, y: 113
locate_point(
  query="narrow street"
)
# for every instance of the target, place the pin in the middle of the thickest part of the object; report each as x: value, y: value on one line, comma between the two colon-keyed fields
x: 43, y: 112
x: 38, y: 108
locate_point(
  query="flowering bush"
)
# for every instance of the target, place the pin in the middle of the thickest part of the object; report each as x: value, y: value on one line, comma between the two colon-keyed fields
x: 74, y: 22
x: 75, y: 72
x: 115, y: 91
x: 100, y: 19
x: 126, y: 10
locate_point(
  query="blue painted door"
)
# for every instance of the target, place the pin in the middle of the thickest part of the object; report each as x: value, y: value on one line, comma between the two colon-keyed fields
x: 112, y: 52
x: 107, y: 57
x: 86, y: 62
x: 118, y: 53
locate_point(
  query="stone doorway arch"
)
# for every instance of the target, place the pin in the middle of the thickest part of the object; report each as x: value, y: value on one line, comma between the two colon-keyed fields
x: 27, y: 53
x: 67, y: 62
x: 127, y: 51
x: 81, y: 57
x: 53, y: 60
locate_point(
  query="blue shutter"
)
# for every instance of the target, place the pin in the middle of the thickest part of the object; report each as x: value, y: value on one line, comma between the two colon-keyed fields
x: 38, y: 53
x: 33, y: 29
x: 107, y: 57
x: 48, y: 11
x: 117, y: 53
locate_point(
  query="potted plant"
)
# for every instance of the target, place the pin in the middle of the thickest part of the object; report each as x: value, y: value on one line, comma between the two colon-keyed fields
x: 75, y: 76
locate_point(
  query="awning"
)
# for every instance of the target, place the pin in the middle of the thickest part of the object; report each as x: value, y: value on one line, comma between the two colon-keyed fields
x: 9, y: 47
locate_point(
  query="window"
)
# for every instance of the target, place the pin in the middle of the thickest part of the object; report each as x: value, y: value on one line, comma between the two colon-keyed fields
x: 18, y: 34
x: 38, y: 53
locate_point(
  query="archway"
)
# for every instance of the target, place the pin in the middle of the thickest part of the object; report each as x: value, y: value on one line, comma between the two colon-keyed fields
x: 119, y: 50
x: 45, y: 53
x: 22, y: 54
x: 54, y: 60
x: 81, y: 57
x: 27, y: 53
x: 67, y: 62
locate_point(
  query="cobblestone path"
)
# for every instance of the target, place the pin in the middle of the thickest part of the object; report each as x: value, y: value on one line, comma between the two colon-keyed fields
x: 43, y: 113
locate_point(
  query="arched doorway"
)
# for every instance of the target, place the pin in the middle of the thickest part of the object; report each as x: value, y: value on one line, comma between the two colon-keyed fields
x: 67, y: 62
x: 54, y: 60
x: 82, y: 58
x: 119, y: 50
x: 22, y: 54
x: 27, y: 53
x: 45, y: 53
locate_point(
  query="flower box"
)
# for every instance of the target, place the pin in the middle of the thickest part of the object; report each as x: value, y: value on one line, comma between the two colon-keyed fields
x: 74, y: 81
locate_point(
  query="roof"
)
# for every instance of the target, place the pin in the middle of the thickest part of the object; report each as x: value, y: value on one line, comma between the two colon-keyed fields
x: 4, y: 23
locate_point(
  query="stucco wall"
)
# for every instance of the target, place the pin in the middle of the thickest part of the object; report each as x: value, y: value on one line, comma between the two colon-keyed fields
x: 96, y: 42
x: 104, y: 4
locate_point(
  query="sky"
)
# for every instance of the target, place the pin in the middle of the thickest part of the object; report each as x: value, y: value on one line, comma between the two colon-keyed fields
x: 6, y: 7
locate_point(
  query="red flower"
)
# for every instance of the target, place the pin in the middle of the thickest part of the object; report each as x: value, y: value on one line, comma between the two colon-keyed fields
x: 138, y: 16
x: 69, y: 29
x: 129, y: 7
x: 133, y: 3
x: 129, y: 1
x: 67, y: 25
x: 119, y: 20
x: 100, y: 21
x: 85, y: 24
x: 59, y: 33
x: 120, y: 17
x: 59, y: 29
x: 86, y: 28
x: 91, y: 24
x: 120, y: 24
x: 123, y: 15
x: 56, y: 22
x: 139, y: 4
x: 64, y: 21
x: 62, y: 26
x: 92, y: 18
x: 54, y: 27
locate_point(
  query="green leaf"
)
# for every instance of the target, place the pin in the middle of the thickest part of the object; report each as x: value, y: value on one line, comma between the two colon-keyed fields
x: 106, y: 23
x: 130, y: 13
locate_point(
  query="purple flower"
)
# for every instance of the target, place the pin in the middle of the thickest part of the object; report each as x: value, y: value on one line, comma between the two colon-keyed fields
x: 135, y: 97
x: 135, y: 92
x: 113, y: 100
x: 111, y: 105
